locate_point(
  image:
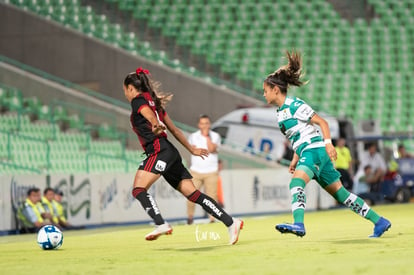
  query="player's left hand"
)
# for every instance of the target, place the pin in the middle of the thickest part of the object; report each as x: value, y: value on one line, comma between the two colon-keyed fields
x: 200, y: 152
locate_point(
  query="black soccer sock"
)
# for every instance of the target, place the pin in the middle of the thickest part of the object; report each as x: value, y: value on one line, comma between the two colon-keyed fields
x: 211, y: 207
x: 149, y: 204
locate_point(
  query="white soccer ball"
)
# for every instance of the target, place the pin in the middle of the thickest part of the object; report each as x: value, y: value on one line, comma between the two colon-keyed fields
x: 49, y: 237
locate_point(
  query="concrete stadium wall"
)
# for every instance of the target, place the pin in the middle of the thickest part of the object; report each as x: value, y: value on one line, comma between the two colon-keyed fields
x: 73, y: 56
x: 48, y: 91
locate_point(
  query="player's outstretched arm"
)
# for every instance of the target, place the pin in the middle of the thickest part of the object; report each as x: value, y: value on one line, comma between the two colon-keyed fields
x: 178, y: 134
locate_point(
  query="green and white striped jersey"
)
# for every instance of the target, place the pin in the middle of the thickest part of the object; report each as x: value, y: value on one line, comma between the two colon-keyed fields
x: 294, y: 121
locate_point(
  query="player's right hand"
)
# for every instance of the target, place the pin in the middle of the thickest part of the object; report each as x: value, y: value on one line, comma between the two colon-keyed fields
x: 292, y: 167
x: 158, y: 129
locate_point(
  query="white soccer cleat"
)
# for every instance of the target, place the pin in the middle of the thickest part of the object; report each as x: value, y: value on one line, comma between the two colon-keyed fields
x: 163, y: 229
x: 234, y: 230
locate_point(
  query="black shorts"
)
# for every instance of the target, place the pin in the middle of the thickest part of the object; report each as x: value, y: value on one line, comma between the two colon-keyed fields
x: 164, y: 159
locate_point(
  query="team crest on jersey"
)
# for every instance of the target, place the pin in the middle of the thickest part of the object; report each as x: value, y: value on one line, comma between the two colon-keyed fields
x: 284, y: 114
x: 160, y: 165
x: 151, y: 103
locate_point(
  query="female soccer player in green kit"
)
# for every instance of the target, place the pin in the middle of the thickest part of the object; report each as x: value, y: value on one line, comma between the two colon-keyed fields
x: 313, y: 151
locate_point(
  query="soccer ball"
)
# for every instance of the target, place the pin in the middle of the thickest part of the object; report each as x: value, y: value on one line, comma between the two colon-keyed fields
x: 49, y: 237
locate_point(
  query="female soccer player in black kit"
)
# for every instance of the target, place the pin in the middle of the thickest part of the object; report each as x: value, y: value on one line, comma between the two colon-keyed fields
x: 150, y: 121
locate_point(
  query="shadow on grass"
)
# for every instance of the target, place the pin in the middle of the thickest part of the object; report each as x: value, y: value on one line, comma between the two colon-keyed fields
x: 357, y: 241
x: 213, y: 247
x: 194, y: 249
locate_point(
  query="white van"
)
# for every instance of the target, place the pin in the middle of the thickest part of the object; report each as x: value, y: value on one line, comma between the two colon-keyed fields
x: 256, y: 130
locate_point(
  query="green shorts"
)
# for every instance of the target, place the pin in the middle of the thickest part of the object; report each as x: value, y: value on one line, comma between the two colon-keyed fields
x: 317, y: 165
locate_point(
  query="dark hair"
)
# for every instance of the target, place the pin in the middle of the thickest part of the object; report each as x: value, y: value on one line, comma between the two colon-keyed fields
x: 142, y: 83
x: 366, y: 167
x: 288, y: 74
x: 47, y: 189
x: 32, y: 190
x: 203, y: 116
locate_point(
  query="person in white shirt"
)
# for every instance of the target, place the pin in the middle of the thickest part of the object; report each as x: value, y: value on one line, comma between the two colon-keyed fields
x: 373, y: 158
x: 204, y: 171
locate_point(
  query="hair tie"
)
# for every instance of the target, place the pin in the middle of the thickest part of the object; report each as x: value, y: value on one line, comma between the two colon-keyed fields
x: 141, y: 70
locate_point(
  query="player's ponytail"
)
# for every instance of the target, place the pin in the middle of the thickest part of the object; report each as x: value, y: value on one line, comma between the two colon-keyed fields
x: 140, y: 80
x: 289, y: 74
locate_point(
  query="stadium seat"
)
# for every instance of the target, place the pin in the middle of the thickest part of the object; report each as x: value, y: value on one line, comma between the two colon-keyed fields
x: 40, y: 146
x: 234, y: 36
x: 44, y: 113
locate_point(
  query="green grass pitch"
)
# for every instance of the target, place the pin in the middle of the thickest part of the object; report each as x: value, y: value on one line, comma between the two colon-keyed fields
x: 336, y: 243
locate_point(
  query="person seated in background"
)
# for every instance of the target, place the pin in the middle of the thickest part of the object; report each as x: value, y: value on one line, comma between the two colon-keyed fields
x: 363, y: 185
x: 59, y: 211
x: 373, y: 158
x: 48, y: 196
x: 402, y: 152
x: 32, y: 215
x: 364, y: 180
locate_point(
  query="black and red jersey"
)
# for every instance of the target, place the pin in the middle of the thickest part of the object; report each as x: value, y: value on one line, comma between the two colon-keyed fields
x: 140, y: 125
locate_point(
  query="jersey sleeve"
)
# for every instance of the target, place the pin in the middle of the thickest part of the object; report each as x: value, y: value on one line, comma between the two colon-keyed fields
x: 138, y: 103
x: 304, y: 112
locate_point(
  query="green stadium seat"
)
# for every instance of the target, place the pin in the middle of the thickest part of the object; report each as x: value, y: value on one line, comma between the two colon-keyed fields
x: 106, y: 131
x: 59, y: 114
x: 127, y: 5
x: 3, y: 97
x: 32, y: 104
x: 75, y: 122
x: 14, y: 103
x: 235, y: 35
x: 44, y: 113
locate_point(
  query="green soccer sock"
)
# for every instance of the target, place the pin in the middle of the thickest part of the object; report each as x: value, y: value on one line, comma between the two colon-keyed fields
x: 297, y: 189
x: 356, y: 204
